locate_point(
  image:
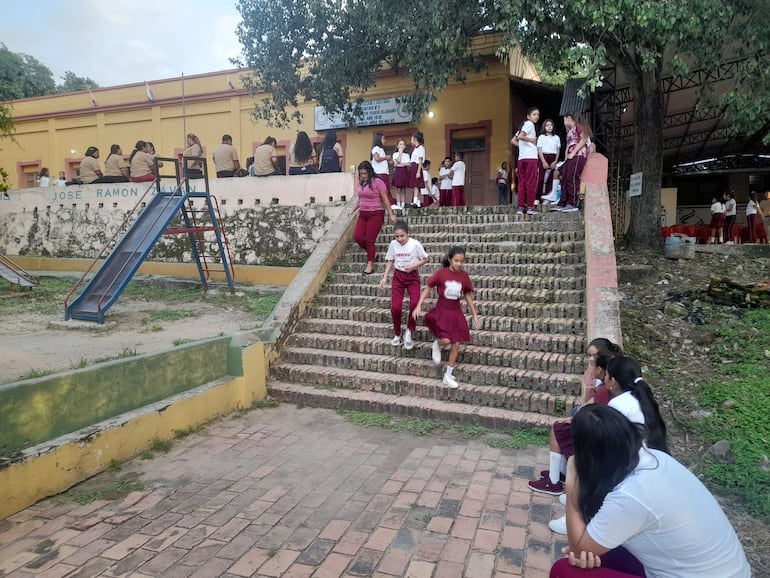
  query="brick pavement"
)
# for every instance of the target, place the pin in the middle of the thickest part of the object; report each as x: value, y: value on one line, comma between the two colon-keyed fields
x: 301, y: 493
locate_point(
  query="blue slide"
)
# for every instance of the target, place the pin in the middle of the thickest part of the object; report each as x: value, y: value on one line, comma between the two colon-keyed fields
x: 124, y: 260
x: 14, y: 274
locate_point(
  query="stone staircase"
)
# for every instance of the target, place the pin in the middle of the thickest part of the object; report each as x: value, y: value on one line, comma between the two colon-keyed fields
x: 523, y: 366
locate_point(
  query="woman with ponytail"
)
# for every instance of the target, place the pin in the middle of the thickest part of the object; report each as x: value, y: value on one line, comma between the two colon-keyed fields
x: 632, y: 397
x: 635, y: 511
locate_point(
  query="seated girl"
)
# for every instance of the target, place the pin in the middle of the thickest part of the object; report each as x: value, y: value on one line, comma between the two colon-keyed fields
x: 633, y: 510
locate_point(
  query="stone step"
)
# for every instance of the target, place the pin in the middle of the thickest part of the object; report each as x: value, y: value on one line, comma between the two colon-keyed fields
x: 505, y: 294
x: 545, y: 342
x: 318, y: 363
x: 475, y: 269
x: 499, y: 258
x: 518, y: 309
x: 443, y: 407
x: 350, y: 279
x: 562, y: 325
x: 473, y: 247
x: 553, y: 220
x: 499, y: 238
x: 474, y: 354
x: 469, y: 229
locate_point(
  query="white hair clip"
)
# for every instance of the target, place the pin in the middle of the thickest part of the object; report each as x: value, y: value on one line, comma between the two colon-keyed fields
x: 638, y: 379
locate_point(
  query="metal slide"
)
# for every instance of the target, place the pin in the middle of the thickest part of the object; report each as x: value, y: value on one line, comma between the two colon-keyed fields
x: 124, y: 260
x: 14, y: 274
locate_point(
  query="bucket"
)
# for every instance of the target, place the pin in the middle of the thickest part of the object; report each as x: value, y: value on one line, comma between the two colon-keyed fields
x: 679, y: 247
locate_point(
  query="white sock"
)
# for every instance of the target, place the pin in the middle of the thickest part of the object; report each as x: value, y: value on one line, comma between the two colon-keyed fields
x: 449, y: 370
x: 555, y: 186
x: 563, y: 468
x: 554, y: 460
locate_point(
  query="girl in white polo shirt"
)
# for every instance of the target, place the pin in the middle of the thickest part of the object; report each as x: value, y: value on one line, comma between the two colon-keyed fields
x: 548, y: 147
x: 407, y: 255
x: 526, y: 139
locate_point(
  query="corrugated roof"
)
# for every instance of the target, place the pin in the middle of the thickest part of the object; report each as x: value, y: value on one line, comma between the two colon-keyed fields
x: 572, y: 101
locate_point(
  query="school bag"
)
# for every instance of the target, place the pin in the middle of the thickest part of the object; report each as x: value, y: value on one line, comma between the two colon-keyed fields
x: 330, y: 162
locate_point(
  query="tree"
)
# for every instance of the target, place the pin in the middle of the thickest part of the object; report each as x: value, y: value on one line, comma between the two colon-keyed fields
x: 640, y: 37
x: 330, y: 52
x: 23, y: 76
x: 72, y: 83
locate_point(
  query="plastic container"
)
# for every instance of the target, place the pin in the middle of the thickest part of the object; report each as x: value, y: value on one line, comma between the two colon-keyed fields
x: 679, y: 247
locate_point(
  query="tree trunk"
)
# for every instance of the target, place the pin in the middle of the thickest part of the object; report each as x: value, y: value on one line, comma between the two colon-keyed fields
x: 644, y: 228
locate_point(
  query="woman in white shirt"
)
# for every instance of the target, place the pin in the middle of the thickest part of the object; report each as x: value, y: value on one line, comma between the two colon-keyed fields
x: 636, y: 511
x: 445, y: 183
x: 752, y: 208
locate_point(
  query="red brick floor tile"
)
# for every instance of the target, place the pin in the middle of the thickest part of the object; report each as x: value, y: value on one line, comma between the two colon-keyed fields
x: 420, y: 569
x: 381, y: 539
x: 332, y: 567
x: 440, y: 525
x: 334, y: 530
x: 464, y: 527
x: 277, y: 564
x: 486, y: 541
x: 249, y: 562
x: 456, y: 550
x: 480, y: 565
x: 351, y: 542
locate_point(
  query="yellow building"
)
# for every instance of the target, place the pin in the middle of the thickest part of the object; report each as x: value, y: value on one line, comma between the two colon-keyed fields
x: 476, y: 117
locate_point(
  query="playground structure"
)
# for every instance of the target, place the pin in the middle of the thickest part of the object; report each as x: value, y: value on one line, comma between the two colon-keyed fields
x: 150, y: 221
x: 15, y: 275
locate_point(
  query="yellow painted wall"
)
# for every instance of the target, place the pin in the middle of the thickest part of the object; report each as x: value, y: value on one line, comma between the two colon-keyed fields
x: 49, y: 128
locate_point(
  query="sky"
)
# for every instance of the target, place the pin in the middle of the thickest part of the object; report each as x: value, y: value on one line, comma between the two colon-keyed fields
x: 124, y: 42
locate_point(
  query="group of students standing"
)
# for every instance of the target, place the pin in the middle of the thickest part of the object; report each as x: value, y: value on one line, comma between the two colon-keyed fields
x: 723, y: 213
x: 539, y: 172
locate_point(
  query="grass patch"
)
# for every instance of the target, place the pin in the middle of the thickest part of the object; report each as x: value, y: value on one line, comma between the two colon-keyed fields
x: 48, y: 297
x: 35, y: 373
x: 266, y: 403
x: 418, y: 426
x: 183, y: 433
x: 168, y: 315
x: 127, y: 352
x: 522, y: 438
x: 147, y: 455
x: 738, y: 398
x: 106, y: 487
x: 159, y: 445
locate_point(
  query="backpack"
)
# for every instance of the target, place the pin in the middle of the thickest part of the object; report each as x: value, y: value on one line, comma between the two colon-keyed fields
x: 330, y: 162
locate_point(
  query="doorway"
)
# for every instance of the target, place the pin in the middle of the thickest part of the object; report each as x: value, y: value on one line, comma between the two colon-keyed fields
x: 476, y: 181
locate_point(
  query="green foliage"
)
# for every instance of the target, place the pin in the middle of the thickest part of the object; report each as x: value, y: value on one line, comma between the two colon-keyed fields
x: 742, y: 382
x: 71, y: 82
x: 105, y: 487
x: 171, y: 314
x: 159, y: 445
x: 330, y: 52
x: 183, y: 433
x: 522, y: 438
x: 23, y: 76
x: 266, y: 403
x: 34, y: 374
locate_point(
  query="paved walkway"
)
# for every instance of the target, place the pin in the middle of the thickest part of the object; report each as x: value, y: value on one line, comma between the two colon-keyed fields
x: 301, y: 493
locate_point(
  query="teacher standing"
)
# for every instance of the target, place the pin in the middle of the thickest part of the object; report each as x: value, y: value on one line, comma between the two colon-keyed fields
x: 371, y: 204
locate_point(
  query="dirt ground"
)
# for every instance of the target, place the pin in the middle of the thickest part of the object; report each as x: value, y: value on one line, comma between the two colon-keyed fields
x: 43, y: 342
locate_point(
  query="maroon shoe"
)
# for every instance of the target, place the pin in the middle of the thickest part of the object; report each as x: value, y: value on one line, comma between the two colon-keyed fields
x: 547, y: 474
x: 544, y: 486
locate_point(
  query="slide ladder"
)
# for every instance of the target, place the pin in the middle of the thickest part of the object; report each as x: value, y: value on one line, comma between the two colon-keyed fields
x: 150, y: 222
x: 15, y: 275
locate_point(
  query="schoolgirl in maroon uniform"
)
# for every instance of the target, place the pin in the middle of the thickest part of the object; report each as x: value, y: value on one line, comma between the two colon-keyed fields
x: 446, y: 320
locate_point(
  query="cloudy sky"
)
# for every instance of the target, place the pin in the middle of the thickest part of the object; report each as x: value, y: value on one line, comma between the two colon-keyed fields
x: 126, y: 41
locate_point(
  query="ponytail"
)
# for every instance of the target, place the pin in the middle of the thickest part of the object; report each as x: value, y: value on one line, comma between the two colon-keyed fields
x: 653, y: 421
x: 627, y: 372
x: 450, y: 255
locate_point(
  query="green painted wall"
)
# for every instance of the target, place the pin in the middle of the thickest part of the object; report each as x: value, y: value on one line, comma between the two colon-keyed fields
x: 38, y: 410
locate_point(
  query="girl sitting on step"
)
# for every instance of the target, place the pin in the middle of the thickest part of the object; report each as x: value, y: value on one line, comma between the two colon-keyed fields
x: 406, y: 255
x: 600, y: 351
x: 446, y: 320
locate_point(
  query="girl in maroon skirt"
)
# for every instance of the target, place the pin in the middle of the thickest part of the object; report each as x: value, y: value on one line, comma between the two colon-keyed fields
x: 400, y: 172
x: 416, y: 179
x: 446, y: 320
x: 717, y: 220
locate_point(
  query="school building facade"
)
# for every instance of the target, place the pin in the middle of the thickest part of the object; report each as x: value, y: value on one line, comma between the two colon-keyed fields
x: 476, y: 117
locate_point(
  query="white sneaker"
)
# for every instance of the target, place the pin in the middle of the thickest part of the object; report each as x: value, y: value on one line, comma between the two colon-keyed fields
x: 559, y: 525
x: 395, y: 207
x: 408, y: 343
x: 396, y: 341
x: 563, y: 499
x: 450, y: 381
x: 436, y: 352
x: 569, y: 209
x: 416, y: 203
